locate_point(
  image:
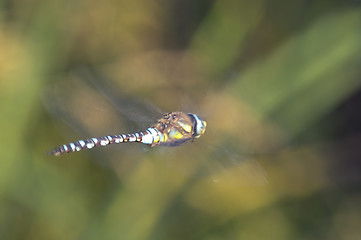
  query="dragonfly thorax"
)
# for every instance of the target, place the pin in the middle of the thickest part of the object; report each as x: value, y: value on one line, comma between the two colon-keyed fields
x: 177, y: 127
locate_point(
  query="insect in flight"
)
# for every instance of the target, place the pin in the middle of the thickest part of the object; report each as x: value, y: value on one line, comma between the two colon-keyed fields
x: 69, y: 101
x: 173, y: 129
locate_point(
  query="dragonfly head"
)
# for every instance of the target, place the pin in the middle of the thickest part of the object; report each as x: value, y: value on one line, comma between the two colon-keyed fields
x: 199, y: 125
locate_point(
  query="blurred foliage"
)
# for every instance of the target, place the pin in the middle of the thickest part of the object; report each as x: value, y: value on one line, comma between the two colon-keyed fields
x: 278, y: 83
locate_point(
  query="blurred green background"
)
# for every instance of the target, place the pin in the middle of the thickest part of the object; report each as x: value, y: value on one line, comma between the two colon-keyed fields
x: 279, y: 83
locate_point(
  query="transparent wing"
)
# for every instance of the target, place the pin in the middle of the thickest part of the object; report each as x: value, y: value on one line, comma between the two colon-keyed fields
x: 230, y: 165
x: 83, y: 100
x: 133, y: 108
x: 90, y: 108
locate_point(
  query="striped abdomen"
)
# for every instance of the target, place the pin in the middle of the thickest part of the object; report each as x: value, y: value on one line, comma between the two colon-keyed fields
x: 149, y: 136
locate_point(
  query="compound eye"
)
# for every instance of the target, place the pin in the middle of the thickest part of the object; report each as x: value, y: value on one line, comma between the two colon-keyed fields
x: 200, y: 130
x: 200, y: 125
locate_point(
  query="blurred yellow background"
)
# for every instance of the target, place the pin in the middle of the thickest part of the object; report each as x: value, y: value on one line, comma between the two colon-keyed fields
x: 277, y: 82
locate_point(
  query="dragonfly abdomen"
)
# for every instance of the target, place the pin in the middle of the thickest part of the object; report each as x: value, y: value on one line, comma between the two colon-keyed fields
x: 149, y: 136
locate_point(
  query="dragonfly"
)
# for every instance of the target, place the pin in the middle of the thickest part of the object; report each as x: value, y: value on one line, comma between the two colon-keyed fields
x: 90, y: 106
x: 173, y: 129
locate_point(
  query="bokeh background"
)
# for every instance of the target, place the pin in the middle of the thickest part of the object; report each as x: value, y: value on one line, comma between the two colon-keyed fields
x: 277, y: 81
